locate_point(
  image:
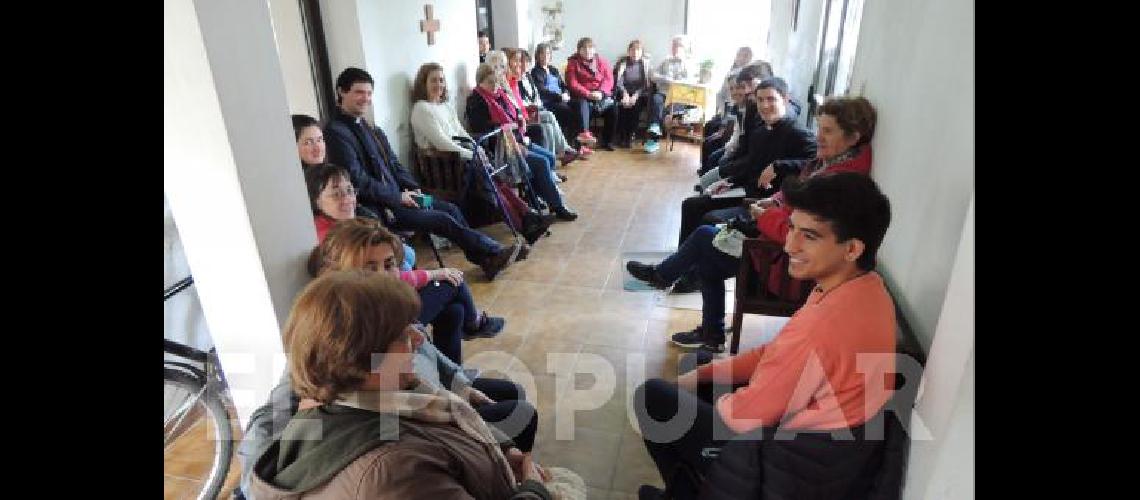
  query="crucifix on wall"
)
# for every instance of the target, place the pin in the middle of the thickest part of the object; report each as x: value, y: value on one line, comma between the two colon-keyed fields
x: 429, y: 25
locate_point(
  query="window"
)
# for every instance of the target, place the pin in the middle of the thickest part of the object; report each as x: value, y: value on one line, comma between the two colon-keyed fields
x: 836, y: 52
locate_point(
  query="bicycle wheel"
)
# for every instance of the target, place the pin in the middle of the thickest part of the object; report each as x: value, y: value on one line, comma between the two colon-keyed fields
x: 185, y: 403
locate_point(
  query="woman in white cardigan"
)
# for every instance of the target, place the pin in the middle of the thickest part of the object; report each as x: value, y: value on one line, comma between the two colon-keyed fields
x: 434, y: 121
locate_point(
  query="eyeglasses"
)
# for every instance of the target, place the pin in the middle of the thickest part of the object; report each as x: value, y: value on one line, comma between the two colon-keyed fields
x: 340, y: 194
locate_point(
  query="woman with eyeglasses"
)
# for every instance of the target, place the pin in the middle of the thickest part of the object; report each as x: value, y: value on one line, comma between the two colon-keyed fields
x: 311, y: 151
x: 333, y: 199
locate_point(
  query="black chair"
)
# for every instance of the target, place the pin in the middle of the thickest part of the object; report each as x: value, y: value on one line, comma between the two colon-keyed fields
x: 753, y: 293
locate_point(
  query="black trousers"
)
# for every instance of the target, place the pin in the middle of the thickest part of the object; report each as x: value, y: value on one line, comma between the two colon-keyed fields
x: 695, y: 209
x: 510, y: 413
x: 708, y: 146
x: 681, y: 430
x: 444, y: 219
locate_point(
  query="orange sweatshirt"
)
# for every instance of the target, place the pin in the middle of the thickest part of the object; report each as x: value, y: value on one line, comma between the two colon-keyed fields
x: 827, y: 368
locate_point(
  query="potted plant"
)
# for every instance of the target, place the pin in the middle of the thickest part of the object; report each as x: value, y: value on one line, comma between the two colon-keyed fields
x: 706, y: 70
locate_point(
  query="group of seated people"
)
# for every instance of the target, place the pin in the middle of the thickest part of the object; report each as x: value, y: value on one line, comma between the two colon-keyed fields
x: 369, y: 409
x: 619, y: 94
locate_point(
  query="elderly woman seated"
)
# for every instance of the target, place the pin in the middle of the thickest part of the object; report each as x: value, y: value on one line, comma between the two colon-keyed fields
x: 368, y: 425
x: 846, y: 126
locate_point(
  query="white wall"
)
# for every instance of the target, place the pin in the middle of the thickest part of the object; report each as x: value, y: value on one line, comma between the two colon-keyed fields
x: 383, y: 37
x: 942, y: 467
x: 182, y: 317
x: 509, y: 23
x: 795, y: 54
x: 342, y: 37
x: 230, y: 176
x: 915, y: 62
x: 612, y: 25
x: 296, y: 67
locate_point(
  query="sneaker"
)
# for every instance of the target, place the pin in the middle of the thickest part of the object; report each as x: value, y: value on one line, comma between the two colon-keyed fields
x: 563, y: 213
x: 489, y: 326
x: 646, y: 273
x: 584, y: 153
x: 692, y: 339
x: 568, y: 156
x: 712, y: 347
x: 654, y: 131
x: 586, y: 138
x: 494, y: 264
x: 535, y: 226
x: 651, y: 146
x: 524, y: 251
x: 687, y: 284
x: 647, y: 492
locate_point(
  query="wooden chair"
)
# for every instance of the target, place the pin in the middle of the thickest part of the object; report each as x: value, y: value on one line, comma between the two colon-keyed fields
x: 440, y: 173
x: 753, y: 294
x: 689, y: 94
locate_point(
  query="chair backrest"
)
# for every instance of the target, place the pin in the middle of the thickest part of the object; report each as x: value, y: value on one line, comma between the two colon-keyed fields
x: 440, y: 173
x: 770, y: 264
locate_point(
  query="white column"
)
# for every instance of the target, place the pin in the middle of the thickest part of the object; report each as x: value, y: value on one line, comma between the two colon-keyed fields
x: 943, y: 467
x: 233, y: 180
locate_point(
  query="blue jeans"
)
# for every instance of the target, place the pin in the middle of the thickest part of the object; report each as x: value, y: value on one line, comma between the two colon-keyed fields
x: 712, y: 266
x: 444, y: 310
x: 437, y: 294
x: 509, y: 398
x: 541, y: 162
x: 672, y: 440
x: 445, y: 219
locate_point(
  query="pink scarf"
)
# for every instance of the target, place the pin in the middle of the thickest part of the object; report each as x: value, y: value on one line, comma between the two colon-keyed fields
x: 514, y: 83
x: 498, y: 115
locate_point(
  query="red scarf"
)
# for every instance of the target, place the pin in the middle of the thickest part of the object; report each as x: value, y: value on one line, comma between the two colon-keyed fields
x: 498, y: 115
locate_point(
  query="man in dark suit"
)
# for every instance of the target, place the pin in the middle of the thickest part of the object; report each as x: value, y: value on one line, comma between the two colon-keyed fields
x: 385, y: 186
x: 484, y: 46
x: 774, y: 137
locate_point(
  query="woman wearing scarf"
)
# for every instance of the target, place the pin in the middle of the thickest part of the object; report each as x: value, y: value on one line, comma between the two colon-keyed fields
x: 526, y: 96
x: 846, y: 126
x: 489, y: 107
x: 367, y: 426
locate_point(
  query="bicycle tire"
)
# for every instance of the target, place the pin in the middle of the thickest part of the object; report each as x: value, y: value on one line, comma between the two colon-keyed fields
x: 211, y: 404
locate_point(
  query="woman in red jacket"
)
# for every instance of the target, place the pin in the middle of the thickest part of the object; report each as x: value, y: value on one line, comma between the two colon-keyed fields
x: 591, y: 83
x: 846, y: 125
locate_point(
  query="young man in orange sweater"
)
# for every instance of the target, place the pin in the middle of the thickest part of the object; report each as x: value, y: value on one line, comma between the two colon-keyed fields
x: 807, y: 378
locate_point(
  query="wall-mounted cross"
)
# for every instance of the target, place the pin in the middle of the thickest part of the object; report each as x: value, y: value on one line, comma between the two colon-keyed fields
x: 429, y: 25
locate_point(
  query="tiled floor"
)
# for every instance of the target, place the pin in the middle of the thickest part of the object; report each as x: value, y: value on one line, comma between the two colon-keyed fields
x: 574, y: 338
